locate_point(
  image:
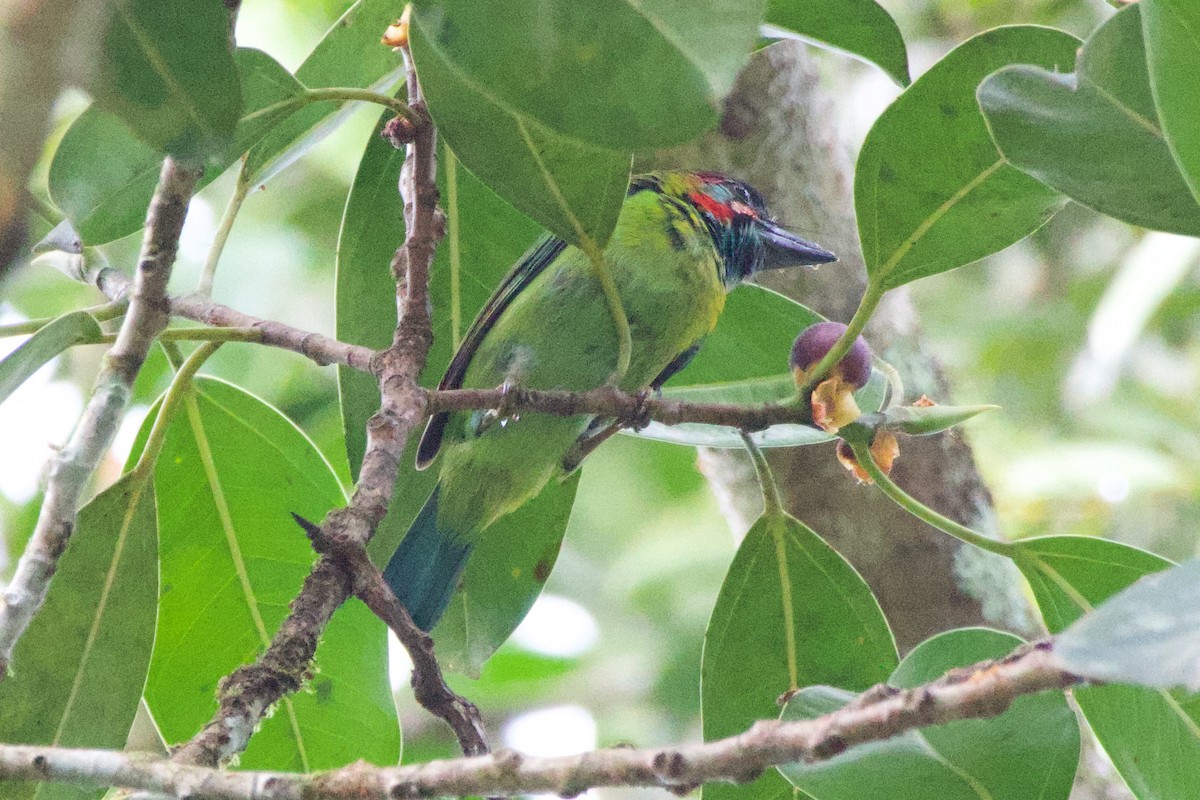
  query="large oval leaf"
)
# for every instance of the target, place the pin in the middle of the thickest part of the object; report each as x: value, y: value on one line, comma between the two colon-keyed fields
x: 1152, y: 736
x: 102, y: 177
x: 365, y: 303
x: 231, y: 473
x: 77, y: 327
x: 791, y: 613
x: 1094, y: 135
x: 108, y: 201
x: 572, y: 187
x: 503, y: 578
x: 1148, y: 634
x: 1171, y: 29
x: 858, y: 27
x: 78, y: 672
x: 1028, y: 751
x: 623, y: 74
x: 930, y: 190
x: 350, y: 55
x: 168, y: 73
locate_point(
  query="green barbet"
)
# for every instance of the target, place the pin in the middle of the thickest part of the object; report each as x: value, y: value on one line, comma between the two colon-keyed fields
x: 682, y: 241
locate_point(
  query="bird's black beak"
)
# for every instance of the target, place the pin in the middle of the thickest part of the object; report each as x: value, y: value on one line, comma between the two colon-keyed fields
x: 786, y: 249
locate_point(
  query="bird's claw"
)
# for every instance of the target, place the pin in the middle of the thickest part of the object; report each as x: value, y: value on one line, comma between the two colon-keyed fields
x: 503, y: 412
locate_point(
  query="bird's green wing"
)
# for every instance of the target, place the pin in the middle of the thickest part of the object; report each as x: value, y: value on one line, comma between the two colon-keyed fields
x: 530, y: 265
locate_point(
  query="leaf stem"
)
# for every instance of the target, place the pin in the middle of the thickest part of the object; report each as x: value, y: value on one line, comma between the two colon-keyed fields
x: 43, y: 208
x: 397, y: 107
x: 335, y: 94
x: 100, y: 313
x: 240, y: 191
x: 198, y: 335
x: 616, y: 307
x: 862, y: 452
x: 772, y: 505
x: 171, y: 402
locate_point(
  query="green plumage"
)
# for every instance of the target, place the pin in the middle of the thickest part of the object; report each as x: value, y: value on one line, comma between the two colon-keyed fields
x: 549, y: 326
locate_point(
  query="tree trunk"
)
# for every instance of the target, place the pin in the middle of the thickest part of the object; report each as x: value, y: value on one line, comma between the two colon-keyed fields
x: 778, y: 132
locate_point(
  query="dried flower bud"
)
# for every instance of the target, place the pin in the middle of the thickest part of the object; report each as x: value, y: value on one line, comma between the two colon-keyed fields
x: 396, y: 34
x: 885, y: 449
x: 399, y: 131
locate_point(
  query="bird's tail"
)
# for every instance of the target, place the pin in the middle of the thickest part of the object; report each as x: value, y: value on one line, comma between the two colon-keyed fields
x: 425, y: 567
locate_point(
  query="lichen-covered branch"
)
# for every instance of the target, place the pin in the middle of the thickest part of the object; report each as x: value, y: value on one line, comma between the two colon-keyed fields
x: 429, y: 686
x: 72, y: 467
x: 983, y: 690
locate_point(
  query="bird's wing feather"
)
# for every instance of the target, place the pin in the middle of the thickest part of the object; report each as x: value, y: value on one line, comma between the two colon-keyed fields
x: 530, y: 265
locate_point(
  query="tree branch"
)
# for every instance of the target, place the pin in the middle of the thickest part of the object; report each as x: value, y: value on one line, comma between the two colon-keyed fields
x: 630, y: 409
x: 321, y: 349
x: 429, y: 686
x: 984, y: 690
x: 72, y: 467
x: 246, y: 695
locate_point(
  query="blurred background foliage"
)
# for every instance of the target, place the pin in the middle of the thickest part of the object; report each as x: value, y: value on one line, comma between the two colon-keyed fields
x: 1086, y: 334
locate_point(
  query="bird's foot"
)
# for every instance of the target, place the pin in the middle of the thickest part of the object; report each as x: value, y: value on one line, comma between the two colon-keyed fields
x: 502, y: 413
x: 641, y: 416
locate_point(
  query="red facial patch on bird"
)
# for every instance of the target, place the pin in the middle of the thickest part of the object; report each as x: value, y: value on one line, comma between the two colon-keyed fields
x: 718, y: 210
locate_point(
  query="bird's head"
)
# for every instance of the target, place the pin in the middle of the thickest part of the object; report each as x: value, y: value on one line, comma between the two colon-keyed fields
x: 736, y: 217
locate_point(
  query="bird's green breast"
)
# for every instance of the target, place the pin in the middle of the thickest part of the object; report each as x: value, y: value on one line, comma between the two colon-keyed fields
x: 558, y: 333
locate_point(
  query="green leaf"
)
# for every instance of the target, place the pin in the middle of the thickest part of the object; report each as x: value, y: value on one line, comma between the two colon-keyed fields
x: 1171, y: 29
x: 503, y: 578
x: 623, y: 74
x: 168, y: 73
x: 858, y: 27
x: 1148, y: 634
x: 231, y: 472
x: 76, y: 327
x: 265, y: 85
x: 930, y: 190
x: 573, y: 188
x: 1150, y: 735
x: 745, y: 361
x: 348, y: 55
x: 1028, y: 751
x: 78, y: 672
x: 924, y: 420
x: 365, y: 305
x: 102, y: 177
x: 1094, y: 135
x: 791, y: 613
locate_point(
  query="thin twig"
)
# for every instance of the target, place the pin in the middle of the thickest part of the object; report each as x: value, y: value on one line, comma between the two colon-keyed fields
x: 983, y: 690
x: 630, y: 409
x: 72, y: 467
x: 429, y: 686
x: 321, y: 349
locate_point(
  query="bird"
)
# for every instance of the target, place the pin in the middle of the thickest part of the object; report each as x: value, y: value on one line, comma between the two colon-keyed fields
x: 682, y: 241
